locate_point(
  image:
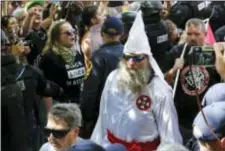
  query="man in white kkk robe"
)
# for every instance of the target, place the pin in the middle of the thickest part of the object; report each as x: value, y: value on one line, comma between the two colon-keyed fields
x: 137, y: 108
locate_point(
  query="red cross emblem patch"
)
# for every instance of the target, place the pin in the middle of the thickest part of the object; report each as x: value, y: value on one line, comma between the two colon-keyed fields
x: 143, y: 102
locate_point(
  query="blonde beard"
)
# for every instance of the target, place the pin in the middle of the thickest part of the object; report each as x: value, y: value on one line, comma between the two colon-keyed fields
x: 132, y: 79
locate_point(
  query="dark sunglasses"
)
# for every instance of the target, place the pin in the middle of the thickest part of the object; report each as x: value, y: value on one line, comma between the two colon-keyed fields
x: 56, y: 133
x: 136, y: 58
x: 69, y: 32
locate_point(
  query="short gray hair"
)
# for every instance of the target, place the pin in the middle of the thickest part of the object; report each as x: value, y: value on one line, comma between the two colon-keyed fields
x: 69, y: 112
x: 196, y: 22
x: 171, y: 147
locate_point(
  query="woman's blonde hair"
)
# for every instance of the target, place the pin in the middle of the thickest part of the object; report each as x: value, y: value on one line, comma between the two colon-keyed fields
x: 53, y: 36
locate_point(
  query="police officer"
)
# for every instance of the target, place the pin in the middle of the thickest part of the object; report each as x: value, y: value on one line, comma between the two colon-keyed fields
x: 13, y: 137
x: 156, y: 30
x: 34, y: 88
x: 181, y: 11
x: 127, y: 19
x: 217, y: 18
x: 32, y: 85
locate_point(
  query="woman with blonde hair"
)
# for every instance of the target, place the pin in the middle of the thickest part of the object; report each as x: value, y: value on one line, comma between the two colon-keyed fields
x: 62, y: 60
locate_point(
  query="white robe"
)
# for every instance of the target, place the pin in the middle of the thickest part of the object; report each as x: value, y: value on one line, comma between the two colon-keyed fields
x: 120, y: 114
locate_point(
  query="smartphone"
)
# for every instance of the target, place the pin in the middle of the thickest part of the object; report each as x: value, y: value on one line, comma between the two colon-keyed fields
x: 203, y: 56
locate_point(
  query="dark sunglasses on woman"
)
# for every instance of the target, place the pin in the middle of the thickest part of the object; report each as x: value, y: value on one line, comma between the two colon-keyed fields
x: 56, y: 133
x: 136, y: 58
x: 70, y: 32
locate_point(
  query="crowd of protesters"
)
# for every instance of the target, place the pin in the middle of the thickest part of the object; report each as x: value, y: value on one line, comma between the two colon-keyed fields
x: 113, y: 76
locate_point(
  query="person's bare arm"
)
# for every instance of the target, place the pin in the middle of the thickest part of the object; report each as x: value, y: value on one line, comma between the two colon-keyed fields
x: 48, y: 102
x: 170, y: 75
x: 48, y: 21
x: 27, y: 23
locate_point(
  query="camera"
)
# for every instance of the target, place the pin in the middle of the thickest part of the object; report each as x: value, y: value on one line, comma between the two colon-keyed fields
x: 203, y: 56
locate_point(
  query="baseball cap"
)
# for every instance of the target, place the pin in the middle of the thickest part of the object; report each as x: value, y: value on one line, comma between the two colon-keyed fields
x: 215, y: 93
x: 215, y: 115
x: 112, y: 26
x: 33, y: 3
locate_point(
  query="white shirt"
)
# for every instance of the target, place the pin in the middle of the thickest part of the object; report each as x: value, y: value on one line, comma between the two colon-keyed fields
x: 119, y: 113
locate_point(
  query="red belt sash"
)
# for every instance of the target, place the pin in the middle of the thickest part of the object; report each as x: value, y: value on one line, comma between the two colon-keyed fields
x: 134, y: 146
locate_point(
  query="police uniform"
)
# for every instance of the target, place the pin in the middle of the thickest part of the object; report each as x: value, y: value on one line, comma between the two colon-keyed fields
x: 13, y: 137
x: 217, y: 19
x: 33, y: 86
x: 182, y: 11
x: 156, y: 30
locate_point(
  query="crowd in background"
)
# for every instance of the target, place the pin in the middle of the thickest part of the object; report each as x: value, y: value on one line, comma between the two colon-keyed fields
x: 61, y: 62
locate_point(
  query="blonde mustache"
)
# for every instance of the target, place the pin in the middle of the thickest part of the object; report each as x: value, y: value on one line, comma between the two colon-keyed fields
x: 135, y: 80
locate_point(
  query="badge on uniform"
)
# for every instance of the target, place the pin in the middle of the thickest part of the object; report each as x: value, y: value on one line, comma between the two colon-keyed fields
x: 21, y: 85
x: 143, y: 102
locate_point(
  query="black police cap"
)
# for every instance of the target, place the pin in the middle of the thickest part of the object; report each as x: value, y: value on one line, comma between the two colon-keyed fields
x: 151, y: 7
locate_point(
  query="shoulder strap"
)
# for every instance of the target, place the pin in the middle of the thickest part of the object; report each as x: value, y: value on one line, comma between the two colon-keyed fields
x: 20, y: 73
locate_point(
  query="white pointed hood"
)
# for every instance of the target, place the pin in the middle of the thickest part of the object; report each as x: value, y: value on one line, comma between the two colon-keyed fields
x: 137, y: 43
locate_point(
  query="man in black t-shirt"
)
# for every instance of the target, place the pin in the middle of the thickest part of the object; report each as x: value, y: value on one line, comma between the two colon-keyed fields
x: 204, y: 77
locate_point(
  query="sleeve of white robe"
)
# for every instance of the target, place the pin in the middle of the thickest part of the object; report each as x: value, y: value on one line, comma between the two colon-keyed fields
x: 100, y: 127
x: 167, y: 121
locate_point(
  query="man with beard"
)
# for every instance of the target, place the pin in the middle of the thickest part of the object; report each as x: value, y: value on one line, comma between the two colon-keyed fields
x: 204, y: 77
x: 136, y: 107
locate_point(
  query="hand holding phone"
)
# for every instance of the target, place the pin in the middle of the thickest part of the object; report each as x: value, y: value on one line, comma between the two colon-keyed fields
x: 219, y: 49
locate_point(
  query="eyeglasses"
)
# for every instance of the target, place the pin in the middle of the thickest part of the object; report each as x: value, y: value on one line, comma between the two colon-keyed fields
x: 136, y: 58
x: 69, y: 32
x: 58, y: 134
